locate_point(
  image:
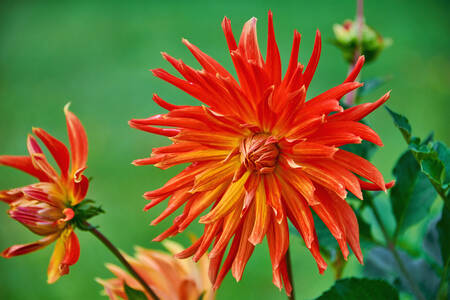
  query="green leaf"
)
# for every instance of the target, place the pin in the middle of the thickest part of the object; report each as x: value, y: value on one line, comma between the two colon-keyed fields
x: 443, y: 227
x: 360, y: 288
x: 381, y: 263
x: 444, y: 240
x: 402, y: 123
x: 412, y: 195
x: 133, y: 294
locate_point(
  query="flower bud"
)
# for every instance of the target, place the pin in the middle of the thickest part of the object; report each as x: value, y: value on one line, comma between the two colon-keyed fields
x: 371, y: 44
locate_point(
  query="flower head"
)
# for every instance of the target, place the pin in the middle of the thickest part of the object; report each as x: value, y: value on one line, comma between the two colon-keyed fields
x: 259, y: 155
x: 47, y: 207
x: 169, y: 278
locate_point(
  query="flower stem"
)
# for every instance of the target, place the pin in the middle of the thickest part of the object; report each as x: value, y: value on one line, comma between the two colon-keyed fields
x: 350, y: 99
x: 289, y: 270
x: 390, y: 245
x: 122, y: 259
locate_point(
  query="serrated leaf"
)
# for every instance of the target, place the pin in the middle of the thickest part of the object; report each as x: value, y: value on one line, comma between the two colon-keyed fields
x: 380, y: 263
x: 133, y: 294
x: 412, y: 195
x: 360, y: 288
x: 402, y: 123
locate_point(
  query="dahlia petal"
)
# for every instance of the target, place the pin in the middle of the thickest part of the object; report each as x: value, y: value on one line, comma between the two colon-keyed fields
x: 80, y: 190
x: 245, y: 248
x: 39, y: 160
x: 210, y: 233
x: 358, y: 112
x: 179, y: 198
x: 335, y: 138
x: 248, y: 43
x: 356, y: 69
x: 273, y: 61
x: 164, y: 120
x: 299, y: 213
x: 262, y: 216
x: 24, y: 164
x: 208, y: 63
x: 27, y: 248
x: 217, y: 174
x: 226, y: 26
x: 307, y: 150
x: 228, y: 261
x: 350, y: 224
x: 77, y: 139
x: 293, y: 60
x: 358, y: 129
x: 300, y: 183
x: 338, y: 91
x: 230, y: 224
x: 273, y: 195
x: 168, y: 106
x: 360, y: 166
x: 190, y: 157
x: 278, y: 242
x: 326, y: 212
x: 66, y: 246
x: 234, y: 194
x: 368, y: 186
x: 326, y: 179
x: 9, y: 196
x: 156, y: 130
x: 313, y: 61
x: 57, y: 149
x: 201, y: 203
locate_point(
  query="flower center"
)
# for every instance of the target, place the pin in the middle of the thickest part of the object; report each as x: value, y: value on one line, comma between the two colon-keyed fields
x: 259, y: 152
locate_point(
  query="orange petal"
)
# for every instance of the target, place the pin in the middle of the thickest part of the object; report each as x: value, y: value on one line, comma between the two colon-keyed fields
x: 27, y: 248
x: 57, y: 149
x: 78, y: 140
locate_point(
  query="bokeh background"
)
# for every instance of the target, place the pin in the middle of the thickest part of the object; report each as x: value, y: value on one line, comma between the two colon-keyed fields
x: 97, y: 55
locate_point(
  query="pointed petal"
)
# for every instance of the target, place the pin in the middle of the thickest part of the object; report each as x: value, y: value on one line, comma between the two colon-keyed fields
x: 57, y: 149
x: 78, y: 141
x: 24, y: 164
x: 27, y: 248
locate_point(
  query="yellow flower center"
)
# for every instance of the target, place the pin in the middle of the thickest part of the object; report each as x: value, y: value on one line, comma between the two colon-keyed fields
x: 259, y: 152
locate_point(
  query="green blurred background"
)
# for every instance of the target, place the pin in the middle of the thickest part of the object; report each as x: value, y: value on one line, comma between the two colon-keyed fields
x: 97, y: 55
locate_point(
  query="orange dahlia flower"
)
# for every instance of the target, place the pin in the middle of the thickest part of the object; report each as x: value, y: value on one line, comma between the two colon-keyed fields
x: 169, y: 278
x: 260, y: 154
x: 46, y: 207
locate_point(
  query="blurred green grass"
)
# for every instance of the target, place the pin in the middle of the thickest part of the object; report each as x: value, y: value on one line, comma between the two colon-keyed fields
x: 97, y: 55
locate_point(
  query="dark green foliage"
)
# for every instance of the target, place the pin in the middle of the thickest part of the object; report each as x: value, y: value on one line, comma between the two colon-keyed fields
x: 360, y: 288
x: 133, y: 294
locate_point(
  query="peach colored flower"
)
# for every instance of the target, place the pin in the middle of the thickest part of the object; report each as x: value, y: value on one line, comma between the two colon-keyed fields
x: 260, y: 154
x: 46, y: 207
x: 169, y: 278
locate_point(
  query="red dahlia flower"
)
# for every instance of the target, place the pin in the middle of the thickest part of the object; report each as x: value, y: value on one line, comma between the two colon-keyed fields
x: 45, y: 207
x: 260, y: 154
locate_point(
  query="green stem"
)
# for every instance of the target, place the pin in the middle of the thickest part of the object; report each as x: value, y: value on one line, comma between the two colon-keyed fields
x: 289, y: 270
x: 390, y: 245
x: 122, y: 259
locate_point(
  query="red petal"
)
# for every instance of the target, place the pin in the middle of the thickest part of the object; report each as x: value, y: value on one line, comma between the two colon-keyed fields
x: 57, y: 149
x: 77, y: 139
x: 23, y: 163
x: 313, y: 61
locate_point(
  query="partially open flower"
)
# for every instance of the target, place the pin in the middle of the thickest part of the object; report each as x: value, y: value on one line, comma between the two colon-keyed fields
x: 169, y: 278
x: 47, y: 207
x: 259, y: 155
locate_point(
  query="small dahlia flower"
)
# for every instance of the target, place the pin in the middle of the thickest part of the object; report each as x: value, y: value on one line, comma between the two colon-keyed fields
x: 260, y: 154
x: 169, y: 278
x: 46, y: 207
